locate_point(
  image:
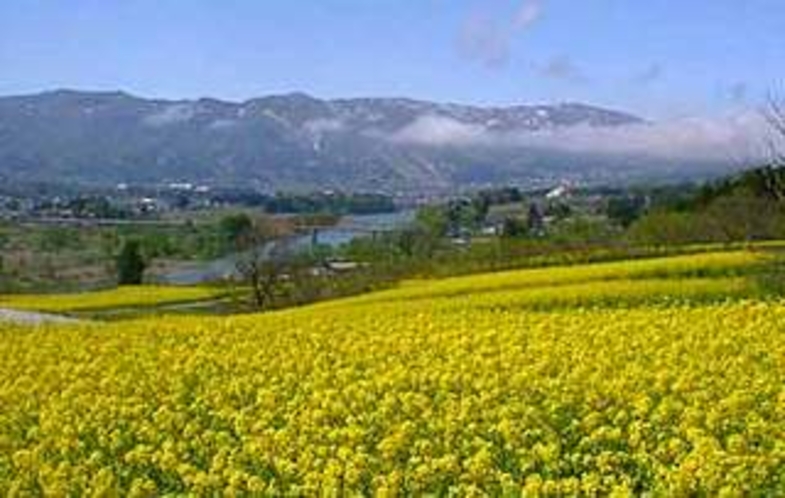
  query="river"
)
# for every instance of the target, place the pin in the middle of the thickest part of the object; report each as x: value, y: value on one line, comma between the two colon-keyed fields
x: 347, y: 229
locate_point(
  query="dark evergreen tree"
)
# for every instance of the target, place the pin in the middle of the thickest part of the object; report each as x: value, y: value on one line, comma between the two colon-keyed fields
x: 535, y: 220
x: 513, y: 227
x: 624, y: 210
x: 130, y: 264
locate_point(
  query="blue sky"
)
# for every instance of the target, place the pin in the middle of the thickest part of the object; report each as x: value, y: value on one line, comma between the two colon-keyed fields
x: 659, y: 58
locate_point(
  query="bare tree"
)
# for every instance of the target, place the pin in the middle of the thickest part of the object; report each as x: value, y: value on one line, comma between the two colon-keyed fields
x: 775, y: 115
x: 256, y: 263
x: 262, y: 275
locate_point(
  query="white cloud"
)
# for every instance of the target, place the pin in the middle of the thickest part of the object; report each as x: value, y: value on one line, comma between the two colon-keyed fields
x: 562, y: 68
x: 487, y: 40
x: 731, y: 138
x: 528, y: 14
x: 735, y: 138
x: 439, y: 131
x: 223, y: 124
x: 171, y: 114
x: 323, y: 125
x: 482, y: 40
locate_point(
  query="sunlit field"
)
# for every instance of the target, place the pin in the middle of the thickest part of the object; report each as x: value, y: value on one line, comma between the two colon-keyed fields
x: 664, y: 377
x: 667, y: 270
x: 123, y: 297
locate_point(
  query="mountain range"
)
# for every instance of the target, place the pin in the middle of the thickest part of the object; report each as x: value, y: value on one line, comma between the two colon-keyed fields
x: 296, y: 141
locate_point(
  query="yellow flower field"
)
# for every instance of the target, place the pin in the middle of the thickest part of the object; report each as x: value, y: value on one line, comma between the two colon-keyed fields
x: 465, y: 395
x: 132, y: 296
x: 718, y: 263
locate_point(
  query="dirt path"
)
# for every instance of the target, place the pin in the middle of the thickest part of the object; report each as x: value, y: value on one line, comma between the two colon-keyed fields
x: 32, y: 318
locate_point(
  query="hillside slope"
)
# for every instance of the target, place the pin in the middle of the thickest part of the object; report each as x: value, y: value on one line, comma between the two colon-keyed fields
x: 296, y: 141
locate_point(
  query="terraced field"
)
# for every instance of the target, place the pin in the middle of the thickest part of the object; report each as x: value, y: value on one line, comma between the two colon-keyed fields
x: 664, y: 377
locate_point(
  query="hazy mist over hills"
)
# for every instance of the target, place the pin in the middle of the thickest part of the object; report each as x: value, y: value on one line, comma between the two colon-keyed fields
x: 296, y: 141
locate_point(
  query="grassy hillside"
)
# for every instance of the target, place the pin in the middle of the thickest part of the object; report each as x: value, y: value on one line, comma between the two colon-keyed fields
x: 663, y: 376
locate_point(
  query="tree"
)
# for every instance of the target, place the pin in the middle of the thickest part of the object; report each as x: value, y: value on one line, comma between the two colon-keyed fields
x: 258, y: 265
x: 130, y: 264
x: 235, y: 229
x: 625, y: 209
x: 465, y: 215
x: 263, y: 276
x: 482, y: 206
x: 535, y: 220
x: 775, y: 115
x: 514, y: 227
x: 667, y: 228
x: 434, y: 220
x: 745, y: 216
x: 277, y: 278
